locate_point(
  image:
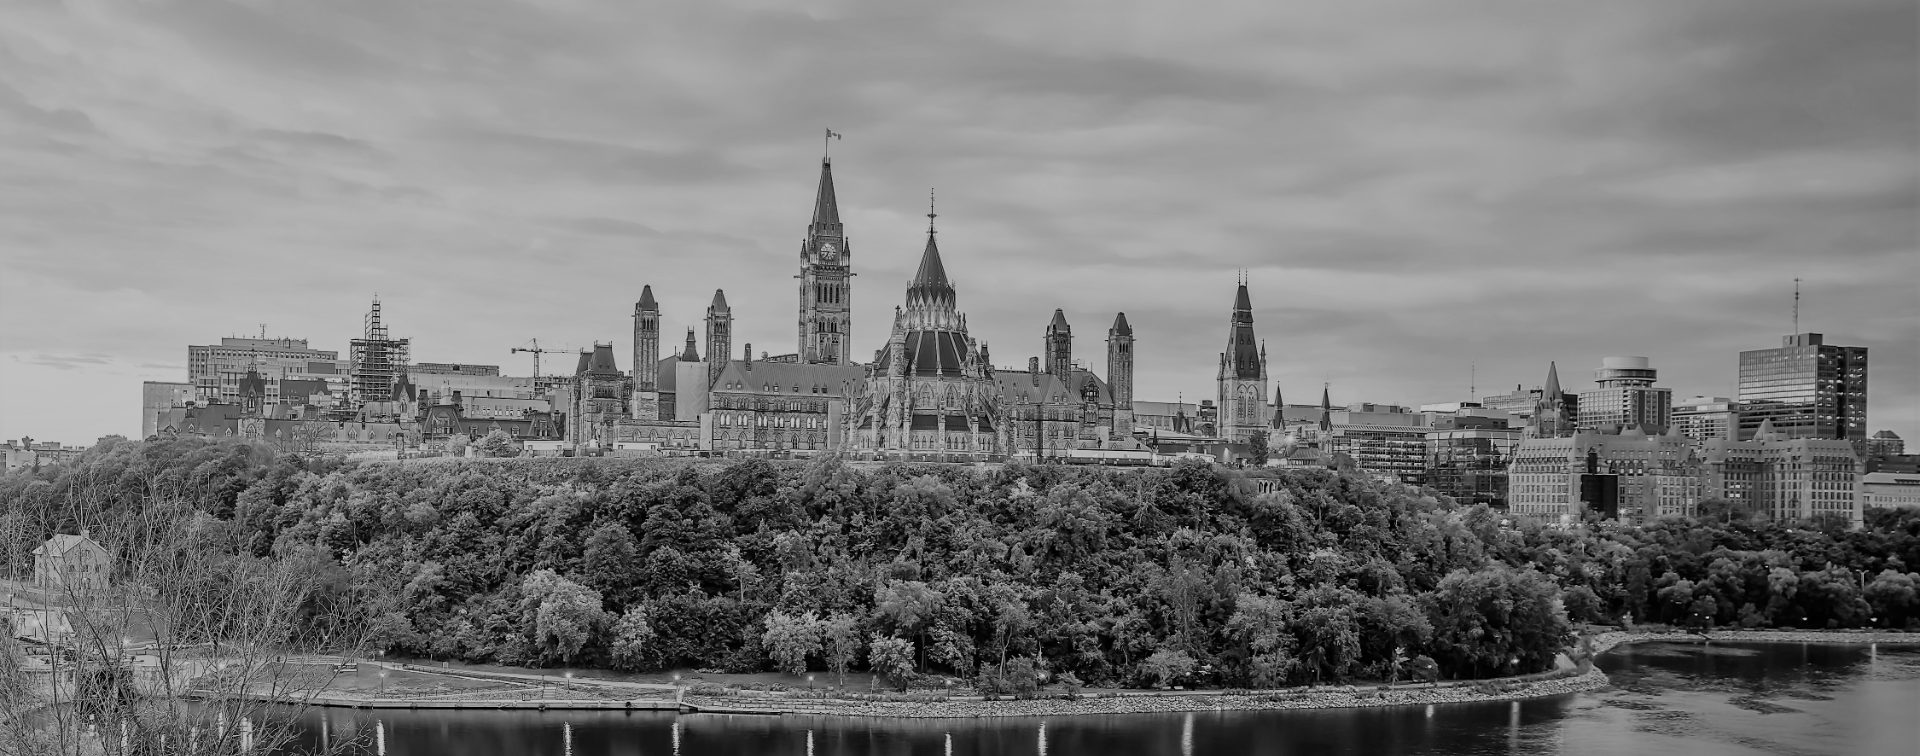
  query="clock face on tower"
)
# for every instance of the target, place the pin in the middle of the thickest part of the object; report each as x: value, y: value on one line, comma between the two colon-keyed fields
x: 829, y: 254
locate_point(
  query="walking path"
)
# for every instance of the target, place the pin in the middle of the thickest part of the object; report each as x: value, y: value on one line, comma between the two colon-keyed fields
x: 517, y: 689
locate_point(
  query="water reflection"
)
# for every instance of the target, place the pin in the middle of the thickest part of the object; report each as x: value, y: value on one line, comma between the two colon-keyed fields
x: 1703, y: 701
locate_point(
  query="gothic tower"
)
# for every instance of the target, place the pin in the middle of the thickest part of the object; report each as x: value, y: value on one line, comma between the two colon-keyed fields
x: 1059, y: 347
x: 826, y: 281
x: 1552, y: 418
x: 1242, y: 378
x: 646, y: 356
x: 1120, y: 374
x: 646, y: 342
x: 719, y: 336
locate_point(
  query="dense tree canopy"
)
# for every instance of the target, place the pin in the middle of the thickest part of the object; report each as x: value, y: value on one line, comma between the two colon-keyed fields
x: 1114, y: 576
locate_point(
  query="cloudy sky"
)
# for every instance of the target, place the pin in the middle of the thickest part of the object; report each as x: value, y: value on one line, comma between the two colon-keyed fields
x: 1419, y: 190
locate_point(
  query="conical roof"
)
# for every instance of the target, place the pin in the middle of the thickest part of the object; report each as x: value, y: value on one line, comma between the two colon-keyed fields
x: 1120, y: 327
x: 1766, y: 430
x: 691, y: 353
x: 826, y: 208
x: 1059, y: 321
x: 1552, y: 392
x: 932, y: 272
x: 1241, y: 302
x: 719, y: 301
x: 646, y: 299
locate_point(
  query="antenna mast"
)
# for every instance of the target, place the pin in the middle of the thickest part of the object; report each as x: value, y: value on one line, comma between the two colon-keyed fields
x: 1796, y: 305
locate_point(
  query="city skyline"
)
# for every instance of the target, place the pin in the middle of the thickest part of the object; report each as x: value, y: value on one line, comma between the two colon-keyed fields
x: 1095, y: 170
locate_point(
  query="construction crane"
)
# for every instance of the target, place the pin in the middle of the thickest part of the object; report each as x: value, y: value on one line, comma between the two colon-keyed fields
x: 536, y: 351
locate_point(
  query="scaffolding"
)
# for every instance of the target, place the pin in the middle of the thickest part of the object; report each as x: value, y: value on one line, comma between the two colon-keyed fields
x: 379, y: 362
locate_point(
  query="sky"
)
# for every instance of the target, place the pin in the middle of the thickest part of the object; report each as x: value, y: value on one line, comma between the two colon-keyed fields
x: 1426, y: 197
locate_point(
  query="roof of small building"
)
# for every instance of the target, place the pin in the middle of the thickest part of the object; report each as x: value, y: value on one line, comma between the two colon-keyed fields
x: 62, y: 543
x: 791, y: 378
x: 1016, y: 388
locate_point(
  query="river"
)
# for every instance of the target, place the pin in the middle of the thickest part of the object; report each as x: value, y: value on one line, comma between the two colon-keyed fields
x: 1718, y: 700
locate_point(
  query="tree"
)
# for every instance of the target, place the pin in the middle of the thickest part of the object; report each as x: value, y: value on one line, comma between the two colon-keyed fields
x: 497, y: 444
x: 1166, y: 666
x: 791, y: 638
x: 906, y: 606
x: 305, y: 437
x: 1894, y: 598
x: 1495, y: 620
x: 632, y: 639
x: 611, y: 561
x: 840, y: 642
x: 892, y: 658
x: 1262, y: 623
x: 1257, y: 448
x: 565, y: 615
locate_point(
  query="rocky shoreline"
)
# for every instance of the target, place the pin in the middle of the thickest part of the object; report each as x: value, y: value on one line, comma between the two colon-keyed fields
x: 1329, y: 697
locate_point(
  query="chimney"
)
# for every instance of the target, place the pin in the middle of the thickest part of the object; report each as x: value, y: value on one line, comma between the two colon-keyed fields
x: 86, y: 533
x: 1033, y: 370
x: 746, y: 357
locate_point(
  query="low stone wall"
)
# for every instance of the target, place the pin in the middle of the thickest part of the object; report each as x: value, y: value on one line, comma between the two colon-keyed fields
x: 1330, y: 697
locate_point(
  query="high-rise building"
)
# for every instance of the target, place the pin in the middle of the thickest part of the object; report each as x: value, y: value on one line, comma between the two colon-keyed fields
x: 1242, y: 378
x: 1120, y: 374
x: 379, y: 362
x: 826, y: 282
x: 1626, y: 397
x: 1786, y: 478
x: 1467, y: 456
x: 1704, y: 417
x: 216, y: 370
x: 1805, y: 388
x: 719, y: 337
x: 447, y: 368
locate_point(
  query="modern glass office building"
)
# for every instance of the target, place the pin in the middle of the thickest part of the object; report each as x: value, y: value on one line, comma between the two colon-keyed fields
x: 1806, y: 388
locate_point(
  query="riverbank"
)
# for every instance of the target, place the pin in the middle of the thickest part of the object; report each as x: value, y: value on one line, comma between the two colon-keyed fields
x: 585, y: 693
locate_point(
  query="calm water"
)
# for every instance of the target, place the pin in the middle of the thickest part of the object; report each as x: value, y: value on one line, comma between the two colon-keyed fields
x: 1666, y: 698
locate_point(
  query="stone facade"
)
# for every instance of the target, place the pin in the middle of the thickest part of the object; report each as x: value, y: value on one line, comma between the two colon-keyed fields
x: 780, y: 406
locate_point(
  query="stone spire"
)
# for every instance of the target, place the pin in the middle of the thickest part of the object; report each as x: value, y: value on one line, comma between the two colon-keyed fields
x: 826, y: 208
x: 1326, y: 410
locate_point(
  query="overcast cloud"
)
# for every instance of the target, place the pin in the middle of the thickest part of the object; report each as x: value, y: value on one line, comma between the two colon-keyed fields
x: 1415, y: 187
